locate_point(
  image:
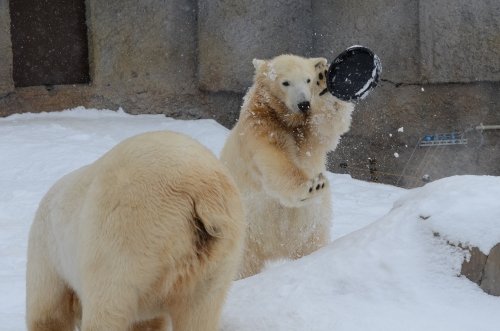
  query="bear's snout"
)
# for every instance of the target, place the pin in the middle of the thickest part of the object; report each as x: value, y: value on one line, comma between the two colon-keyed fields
x: 304, y: 106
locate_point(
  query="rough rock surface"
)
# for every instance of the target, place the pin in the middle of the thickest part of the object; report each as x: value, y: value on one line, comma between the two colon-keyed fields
x: 491, y: 274
x: 474, y: 267
x: 484, y: 270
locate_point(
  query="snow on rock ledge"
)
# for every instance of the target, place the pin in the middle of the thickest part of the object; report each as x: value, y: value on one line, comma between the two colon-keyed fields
x: 465, y: 211
x: 462, y: 209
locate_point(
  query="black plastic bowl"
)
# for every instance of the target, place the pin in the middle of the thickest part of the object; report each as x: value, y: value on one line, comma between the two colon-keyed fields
x: 353, y: 74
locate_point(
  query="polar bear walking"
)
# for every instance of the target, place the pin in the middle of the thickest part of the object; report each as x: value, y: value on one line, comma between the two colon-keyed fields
x: 277, y: 154
x: 153, y: 228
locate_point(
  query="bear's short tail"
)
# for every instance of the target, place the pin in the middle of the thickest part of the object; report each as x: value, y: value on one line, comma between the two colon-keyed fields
x: 212, y: 217
x: 216, y: 222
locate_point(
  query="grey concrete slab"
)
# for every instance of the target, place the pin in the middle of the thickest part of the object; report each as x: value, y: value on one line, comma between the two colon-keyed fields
x: 388, y: 27
x: 232, y: 33
x: 143, y: 45
x: 460, y: 40
x: 6, y: 83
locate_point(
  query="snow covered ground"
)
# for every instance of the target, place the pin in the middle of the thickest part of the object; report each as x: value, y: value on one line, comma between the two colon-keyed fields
x: 385, y: 269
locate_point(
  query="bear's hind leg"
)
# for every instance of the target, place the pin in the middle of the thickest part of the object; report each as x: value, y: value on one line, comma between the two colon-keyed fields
x: 252, y: 263
x: 49, y: 301
x: 156, y: 324
x: 313, y: 243
x: 200, y: 309
x: 109, y: 301
x: 197, y: 312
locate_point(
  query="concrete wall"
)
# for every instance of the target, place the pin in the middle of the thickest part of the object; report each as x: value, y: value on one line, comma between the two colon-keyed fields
x: 460, y: 40
x: 232, y: 33
x: 426, y: 47
x: 143, y: 57
x: 192, y: 59
x: 6, y: 83
x: 143, y: 45
x: 389, y: 27
x: 420, y: 110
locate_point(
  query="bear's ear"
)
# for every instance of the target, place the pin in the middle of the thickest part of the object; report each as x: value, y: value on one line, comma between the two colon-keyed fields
x: 319, y: 61
x: 258, y: 63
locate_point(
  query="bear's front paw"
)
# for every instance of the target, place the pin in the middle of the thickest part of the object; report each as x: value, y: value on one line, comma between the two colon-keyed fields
x: 315, y: 186
x: 304, y: 193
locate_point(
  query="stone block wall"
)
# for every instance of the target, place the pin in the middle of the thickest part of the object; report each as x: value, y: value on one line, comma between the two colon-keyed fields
x: 192, y: 59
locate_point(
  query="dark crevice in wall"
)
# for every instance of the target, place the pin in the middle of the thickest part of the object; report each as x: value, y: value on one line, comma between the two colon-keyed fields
x: 6, y: 95
x: 399, y: 84
x: 426, y: 83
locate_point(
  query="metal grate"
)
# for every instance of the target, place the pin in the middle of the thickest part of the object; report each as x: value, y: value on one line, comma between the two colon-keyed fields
x: 443, y: 139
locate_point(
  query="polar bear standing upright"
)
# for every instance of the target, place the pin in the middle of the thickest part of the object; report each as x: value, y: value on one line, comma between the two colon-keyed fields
x: 153, y: 228
x: 277, y: 154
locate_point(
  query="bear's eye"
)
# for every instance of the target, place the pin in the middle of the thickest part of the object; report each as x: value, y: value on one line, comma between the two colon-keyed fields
x: 308, y: 80
x: 285, y: 83
x: 320, y: 76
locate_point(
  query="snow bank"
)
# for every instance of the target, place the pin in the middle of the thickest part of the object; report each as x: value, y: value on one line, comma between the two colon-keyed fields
x: 394, y: 274
x: 358, y: 203
x: 461, y: 209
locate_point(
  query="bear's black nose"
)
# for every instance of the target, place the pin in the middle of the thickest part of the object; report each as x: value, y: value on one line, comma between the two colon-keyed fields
x: 304, y: 106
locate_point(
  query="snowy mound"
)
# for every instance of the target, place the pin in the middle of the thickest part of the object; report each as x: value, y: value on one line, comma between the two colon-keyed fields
x: 462, y: 209
x: 394, y: 274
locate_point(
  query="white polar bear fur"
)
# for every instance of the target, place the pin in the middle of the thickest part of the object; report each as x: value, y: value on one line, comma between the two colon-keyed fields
x: 277, y: 156
x: 331, y: 117
x: 153, y: 228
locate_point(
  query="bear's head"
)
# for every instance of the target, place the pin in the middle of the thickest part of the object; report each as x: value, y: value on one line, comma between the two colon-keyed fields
x: 290, y: 79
